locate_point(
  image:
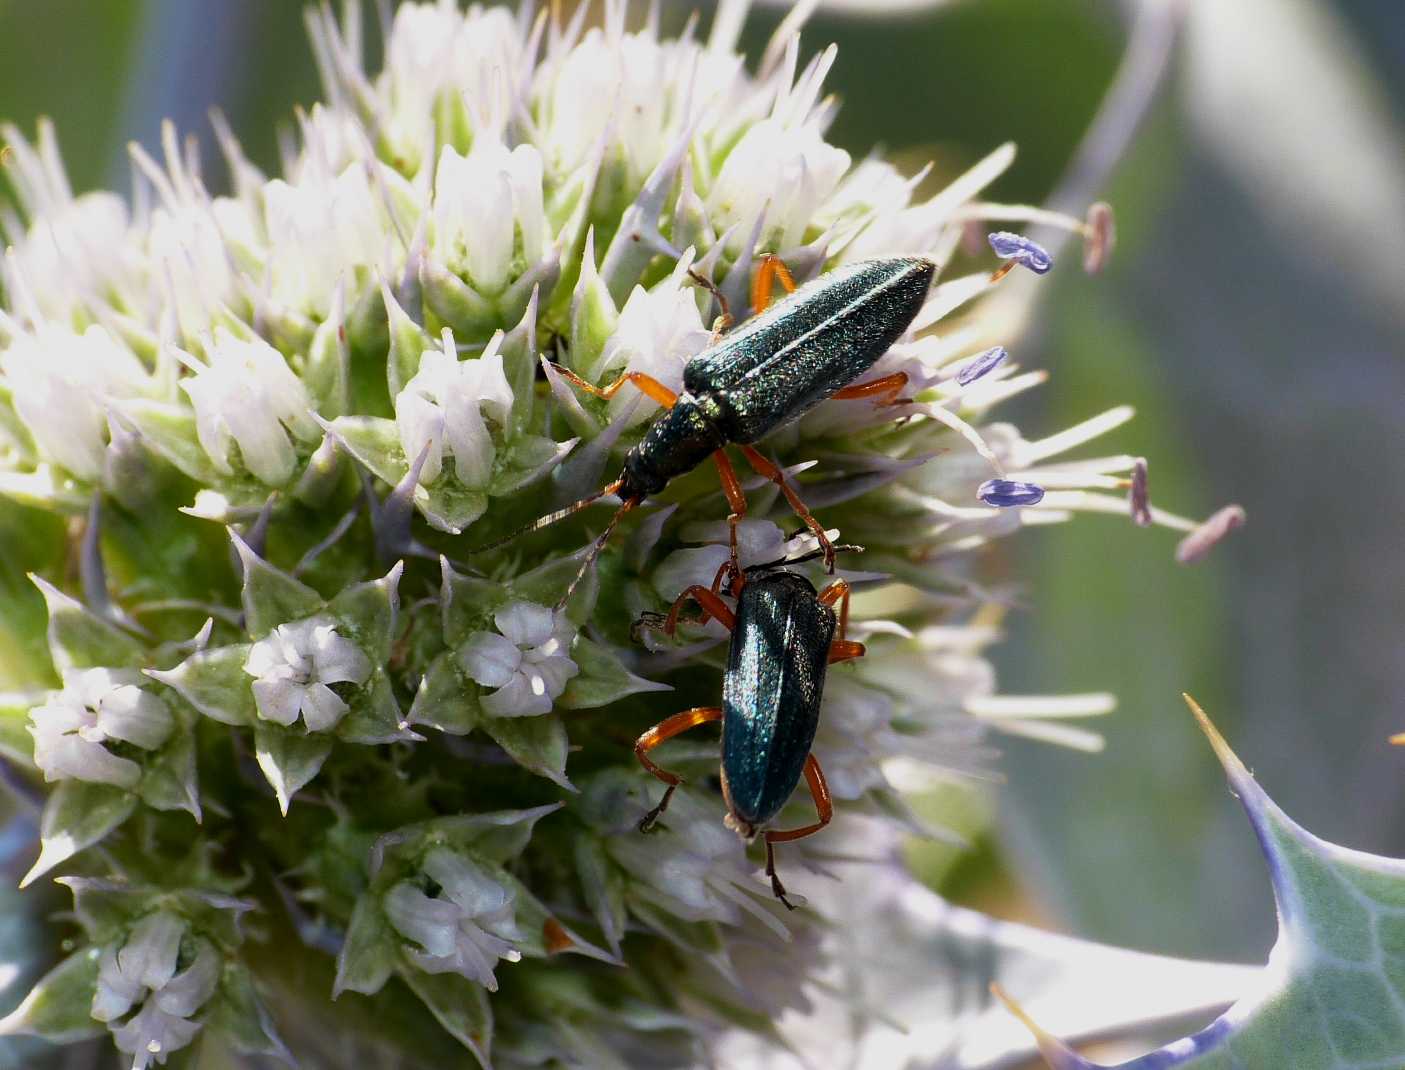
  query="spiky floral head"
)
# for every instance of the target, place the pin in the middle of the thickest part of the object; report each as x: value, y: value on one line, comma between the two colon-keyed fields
x: 385, y: 769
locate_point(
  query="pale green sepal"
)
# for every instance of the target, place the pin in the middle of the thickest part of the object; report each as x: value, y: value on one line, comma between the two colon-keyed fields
x: 327, y: 374
x: 366, y: 613
x: 169, y: 778
x: 270, y: 596
x: 16, y: 744
x: 546, y: 583
x: 289, y: 758
x: 408, y: 342
x: 457, y: 304
x: 538, y: 744
x: 540, y: 278
x: 215, y: 683
x: 543, y: 933
x: 603, y: 885
x: 240, y: 1016
x: 602, y: 679
x: 79, y: 639
x: 374, y: 715
x: 375, y: 442
x: 320, y: 479
x: 169, y: 430
x: 58, y: 1007
x: 445, y: 700
x: 459, y: 1005
x: 498, y: 836
x: 467, y: 603
x: 448, y: 505
x: 525, y: 461
x: 519, y: 358
x: 369, y: 952
x: 1332, y: 996
x: 77, y: 815
x: 593, y: 315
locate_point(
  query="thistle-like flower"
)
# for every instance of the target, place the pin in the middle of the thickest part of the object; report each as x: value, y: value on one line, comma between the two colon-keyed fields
x: 351, y: 375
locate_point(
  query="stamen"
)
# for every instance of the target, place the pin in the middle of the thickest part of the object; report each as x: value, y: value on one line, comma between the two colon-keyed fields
x: 1099, y: 237
x: 1017, y: 249
x: 1204, y: 538
x: 1004, y: 493
x: 981, y: 365
x: 1137, y: 498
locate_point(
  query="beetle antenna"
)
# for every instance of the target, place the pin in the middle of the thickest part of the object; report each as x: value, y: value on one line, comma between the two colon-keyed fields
x: 599, y: 545
x: 549, y: 519
x: 841, y: 548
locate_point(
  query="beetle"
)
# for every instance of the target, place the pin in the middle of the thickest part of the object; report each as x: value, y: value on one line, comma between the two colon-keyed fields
x: 784, y: 635
x: 766, y: 373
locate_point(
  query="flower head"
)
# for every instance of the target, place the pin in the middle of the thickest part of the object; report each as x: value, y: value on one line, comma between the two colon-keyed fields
x: 61, y: 382
x: 527, y: 660
x: 441, y: 410
x: 465, y: 928
x: 145, y: 969
x: 97, y: 707
x: 246, y: 396
x: 294, y: 667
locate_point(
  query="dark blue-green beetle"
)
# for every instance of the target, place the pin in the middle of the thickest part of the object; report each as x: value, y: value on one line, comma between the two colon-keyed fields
x: 769, y: 371
x: 784, y: 636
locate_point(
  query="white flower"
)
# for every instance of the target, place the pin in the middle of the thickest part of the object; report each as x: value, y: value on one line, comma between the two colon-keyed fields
x: 774, y: 157
x: 695, y: 867
x: 143, y: 970
x: 488, y: 211
x: 191, y: 240
x: 466, y: 929
x: 97, y: 705
x: 246, y: 395
x: 318, y: 230
x: 658, y: 332
x: 442, y: 408
x: 295, y: 663
x: 437, y: 55
x: 61, y: 382
x: 527, y: 663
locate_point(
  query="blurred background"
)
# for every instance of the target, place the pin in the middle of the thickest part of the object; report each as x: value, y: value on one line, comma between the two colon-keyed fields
x: 1254, y: 314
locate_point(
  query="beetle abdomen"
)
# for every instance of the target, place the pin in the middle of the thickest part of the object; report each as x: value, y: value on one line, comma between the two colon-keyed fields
x: 780, y: 364
x: 771, y: 692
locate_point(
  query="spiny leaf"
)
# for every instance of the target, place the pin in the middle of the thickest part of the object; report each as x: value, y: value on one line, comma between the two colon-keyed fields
x: 289, y: 758
x: 271, y: 597
x: 78, y: 639
x: 77, y: 815
x: 1333, y: 994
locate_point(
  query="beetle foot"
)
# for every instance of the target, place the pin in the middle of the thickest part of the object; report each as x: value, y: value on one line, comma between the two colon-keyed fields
x: 647, y: 619
x: 650, y: 820
x: 778, y: 890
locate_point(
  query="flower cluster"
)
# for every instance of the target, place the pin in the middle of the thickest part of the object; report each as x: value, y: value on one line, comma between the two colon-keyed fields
x: 303, y: 418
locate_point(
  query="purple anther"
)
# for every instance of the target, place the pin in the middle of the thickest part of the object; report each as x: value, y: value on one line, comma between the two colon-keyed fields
x: 1204, y: 538
x: 977, y: 366
x: 1016, y: 247
x: 1008, y: 492
x: 1137, y: 497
